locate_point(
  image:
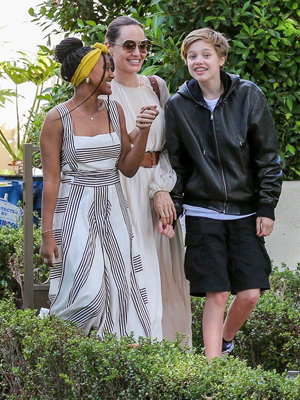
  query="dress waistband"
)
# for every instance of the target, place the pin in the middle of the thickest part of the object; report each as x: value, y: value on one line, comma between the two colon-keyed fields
x: 91, y: 178
x: 150, y: 159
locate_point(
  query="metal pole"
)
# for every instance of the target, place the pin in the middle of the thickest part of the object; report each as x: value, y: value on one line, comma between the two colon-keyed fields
x: 28, y: 149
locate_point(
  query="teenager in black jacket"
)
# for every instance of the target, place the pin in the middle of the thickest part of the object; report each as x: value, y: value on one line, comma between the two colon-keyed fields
x: 222, y: 143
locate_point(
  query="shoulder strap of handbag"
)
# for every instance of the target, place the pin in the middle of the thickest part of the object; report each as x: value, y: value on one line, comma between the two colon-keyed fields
x: 154, y: 85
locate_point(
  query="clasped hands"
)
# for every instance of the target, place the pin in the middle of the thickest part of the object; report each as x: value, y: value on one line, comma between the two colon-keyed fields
x: 166, y: 213
x: 146, y: 116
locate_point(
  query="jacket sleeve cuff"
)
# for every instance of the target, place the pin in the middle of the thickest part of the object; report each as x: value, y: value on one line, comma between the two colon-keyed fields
x: 266, y: 210
x: 178, y: 207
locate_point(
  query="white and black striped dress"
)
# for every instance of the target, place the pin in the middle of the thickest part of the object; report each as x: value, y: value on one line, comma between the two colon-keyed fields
x: 98, y: 281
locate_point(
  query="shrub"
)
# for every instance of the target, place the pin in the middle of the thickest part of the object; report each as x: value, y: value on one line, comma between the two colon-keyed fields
x: 265, y: 46
x: 7, y: 248
x: 12, y: 261
x: 50, y: 359
x: 270, y: 336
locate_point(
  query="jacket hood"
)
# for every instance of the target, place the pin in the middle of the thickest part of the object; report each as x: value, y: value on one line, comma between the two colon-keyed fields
x: 191, y: 89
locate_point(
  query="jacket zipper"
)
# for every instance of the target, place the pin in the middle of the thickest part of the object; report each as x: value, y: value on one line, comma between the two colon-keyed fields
x: 223, y: 176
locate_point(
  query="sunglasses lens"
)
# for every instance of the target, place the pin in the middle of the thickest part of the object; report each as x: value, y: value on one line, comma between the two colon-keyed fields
x: 145, y: 45
x: 129, y: 45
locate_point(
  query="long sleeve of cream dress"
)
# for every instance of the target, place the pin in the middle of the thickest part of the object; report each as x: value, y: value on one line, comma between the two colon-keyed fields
x: 162, y: 258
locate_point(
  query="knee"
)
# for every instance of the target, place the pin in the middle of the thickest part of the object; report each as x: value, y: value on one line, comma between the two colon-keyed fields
x: 219, y: 298
x: 249, y: 297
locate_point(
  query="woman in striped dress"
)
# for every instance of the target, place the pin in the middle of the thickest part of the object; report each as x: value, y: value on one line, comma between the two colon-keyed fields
x: 97, y: 279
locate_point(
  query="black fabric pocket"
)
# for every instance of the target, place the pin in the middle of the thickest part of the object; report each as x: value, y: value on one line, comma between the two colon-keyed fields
x: 193, y: 240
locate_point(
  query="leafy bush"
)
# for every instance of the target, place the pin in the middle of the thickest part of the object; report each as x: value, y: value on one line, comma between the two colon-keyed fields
x: 270, y: 336
x: 265, y: 46
x: 7, y: 248
x: 50, y: 359
x: 12, y: 261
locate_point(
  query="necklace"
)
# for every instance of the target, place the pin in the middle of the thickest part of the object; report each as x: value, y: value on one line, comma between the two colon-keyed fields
x: 91, y: 118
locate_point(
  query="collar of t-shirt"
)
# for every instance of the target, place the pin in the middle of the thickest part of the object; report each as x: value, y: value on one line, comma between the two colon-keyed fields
x: 211, y: 103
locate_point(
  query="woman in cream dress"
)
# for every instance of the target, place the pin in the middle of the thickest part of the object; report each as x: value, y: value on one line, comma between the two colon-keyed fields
x: 147, y: 192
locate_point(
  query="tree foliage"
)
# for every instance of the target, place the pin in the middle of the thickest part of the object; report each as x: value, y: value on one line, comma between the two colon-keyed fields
x: 265, y: 46
x: 36, y: 71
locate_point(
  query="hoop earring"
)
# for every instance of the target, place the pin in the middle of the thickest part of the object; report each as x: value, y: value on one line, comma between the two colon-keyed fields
x: 87, y: 79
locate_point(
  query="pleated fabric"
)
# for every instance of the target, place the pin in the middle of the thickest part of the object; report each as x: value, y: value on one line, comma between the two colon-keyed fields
x: 98, y: 281
x: 162, y: 258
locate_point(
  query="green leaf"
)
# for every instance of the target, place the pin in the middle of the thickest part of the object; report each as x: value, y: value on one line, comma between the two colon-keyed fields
x: 239, y: 44
x: 289, y: 32
x: 274, y: 42
x: 257, y: 10
x: 80, y: 23
x: 245, y: 6
x: 210, y: 18
x: 91, y: 23
x: 154, y: 25
x: 289, y: 103
x: 258, y: 32
x: 245, y: 55
x: 260, y: 56
x: 272, y: 57
x: 290, y: 148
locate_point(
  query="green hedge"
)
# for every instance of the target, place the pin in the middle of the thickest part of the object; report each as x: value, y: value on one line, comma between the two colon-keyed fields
x: 270, y: 336
x: 49, y: 359
x: 12, y: 261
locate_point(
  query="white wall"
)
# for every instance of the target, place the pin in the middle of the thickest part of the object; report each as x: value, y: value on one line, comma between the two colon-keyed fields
x: 5, y: 158
x: 284, y: 244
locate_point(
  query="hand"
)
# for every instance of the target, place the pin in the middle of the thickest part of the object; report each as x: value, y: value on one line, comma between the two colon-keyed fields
x: 146, y: 116
x: 164, y: 207
x: 48, y: 250
x: 166, y: 230
x: 264, y: 226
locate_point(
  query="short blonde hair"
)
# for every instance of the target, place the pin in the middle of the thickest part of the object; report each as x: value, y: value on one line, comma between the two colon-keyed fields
x: 216, y: 39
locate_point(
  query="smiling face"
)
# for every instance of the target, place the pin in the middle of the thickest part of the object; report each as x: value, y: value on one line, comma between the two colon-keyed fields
x: 203, y: 62
x: 98, y: 73
x: 129, y: 62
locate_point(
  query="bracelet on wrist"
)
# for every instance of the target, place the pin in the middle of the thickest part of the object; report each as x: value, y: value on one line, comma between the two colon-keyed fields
x: 47, y: 230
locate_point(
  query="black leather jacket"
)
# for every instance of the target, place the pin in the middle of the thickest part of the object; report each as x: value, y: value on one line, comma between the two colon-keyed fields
x: 226, y: 160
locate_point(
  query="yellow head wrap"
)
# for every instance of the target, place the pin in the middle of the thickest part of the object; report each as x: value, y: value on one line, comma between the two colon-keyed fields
x: 87, y: 63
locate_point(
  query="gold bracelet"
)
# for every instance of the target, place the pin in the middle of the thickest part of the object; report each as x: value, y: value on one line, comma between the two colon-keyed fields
x: 48, y: 230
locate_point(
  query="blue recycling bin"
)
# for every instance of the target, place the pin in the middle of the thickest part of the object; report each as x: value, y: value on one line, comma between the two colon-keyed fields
x: 12, y: 193
x: 15, y: 191
x: 10, y: 212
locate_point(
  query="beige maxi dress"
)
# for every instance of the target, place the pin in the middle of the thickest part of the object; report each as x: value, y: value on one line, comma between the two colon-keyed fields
x: 162, y: 258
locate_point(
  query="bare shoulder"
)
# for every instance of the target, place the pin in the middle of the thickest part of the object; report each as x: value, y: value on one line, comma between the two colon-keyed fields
x: 52, y: 124
x: 53, y: 115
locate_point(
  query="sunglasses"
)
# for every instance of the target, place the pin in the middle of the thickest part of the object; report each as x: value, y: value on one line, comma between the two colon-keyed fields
x: 129, y: 45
